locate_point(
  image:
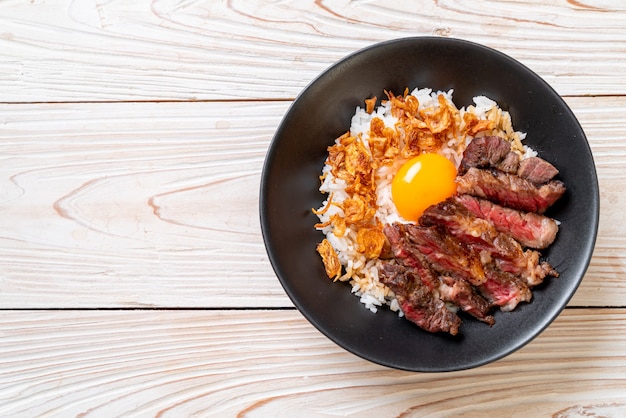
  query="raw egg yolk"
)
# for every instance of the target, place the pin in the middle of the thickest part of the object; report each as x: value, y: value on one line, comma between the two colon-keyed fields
x: 422, y: 181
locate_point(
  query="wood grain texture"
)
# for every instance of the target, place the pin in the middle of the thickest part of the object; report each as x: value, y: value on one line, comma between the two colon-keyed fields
x: 132, y: 138
x: 155, y: 204
x: 134, y: 205
x: 273, y: 363
x: 92, y: 50
x: 608, y: 144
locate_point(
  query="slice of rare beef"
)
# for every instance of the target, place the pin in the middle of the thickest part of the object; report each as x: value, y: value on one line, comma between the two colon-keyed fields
x: 510, y: 163
x: 530, y: 229
x: 504, y: 290
x: 489, y: 151
x: 536, y: 170
x: 419, y: 304
x: 460, y: 293
x: 407, y: 254
x: 510, y: 190
x: 535, y: 270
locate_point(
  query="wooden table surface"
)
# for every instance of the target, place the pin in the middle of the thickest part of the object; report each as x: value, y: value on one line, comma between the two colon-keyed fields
x: 133, y: 276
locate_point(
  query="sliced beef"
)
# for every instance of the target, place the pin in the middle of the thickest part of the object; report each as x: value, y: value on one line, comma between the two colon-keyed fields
x: 533, y: 272
x: 443, y: 253
x: 462, y: 294
x: 450, y: 289
x: 489, y: 151
x: 510, y: 163
x: 482, y: 236
x: 469, y: 251
x: 461, y: 223
x: 530, y: 229
x: 536, y: 170
x: 407, y: 254
x: 495, y: 152
x: 504, y: 290
x: 419, y: 304
x: 510, y: 190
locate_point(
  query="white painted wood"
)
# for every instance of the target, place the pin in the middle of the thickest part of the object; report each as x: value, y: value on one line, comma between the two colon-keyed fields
x: 92, y: 50
x: 127, y: 128
x: 156, y: 204
x: 134, y: 205
x: 273, y: 363
x: 608, y: 144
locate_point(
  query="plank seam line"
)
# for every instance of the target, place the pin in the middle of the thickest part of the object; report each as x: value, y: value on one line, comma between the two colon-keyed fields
x: 246, y: 100
x: 165, y: 308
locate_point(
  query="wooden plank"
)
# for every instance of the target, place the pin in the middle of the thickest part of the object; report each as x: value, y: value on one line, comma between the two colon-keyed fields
x: 64, y: 50
x: 605, y: 134
x: 135, y: 205
x: 155, y: 204
x: 273, y: 363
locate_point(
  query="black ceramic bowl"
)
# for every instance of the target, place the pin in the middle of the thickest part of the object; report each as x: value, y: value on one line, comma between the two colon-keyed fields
x: 322, y: 112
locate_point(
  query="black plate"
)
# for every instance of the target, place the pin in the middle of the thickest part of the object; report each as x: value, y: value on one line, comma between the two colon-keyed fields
x: 322, y: 112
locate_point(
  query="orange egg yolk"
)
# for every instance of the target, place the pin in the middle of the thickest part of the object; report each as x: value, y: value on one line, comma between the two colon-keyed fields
x: 422, y: 181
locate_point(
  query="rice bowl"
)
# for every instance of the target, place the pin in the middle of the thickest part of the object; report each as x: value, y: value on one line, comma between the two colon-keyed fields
x: 323, y: 111
x: 359, y: 270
